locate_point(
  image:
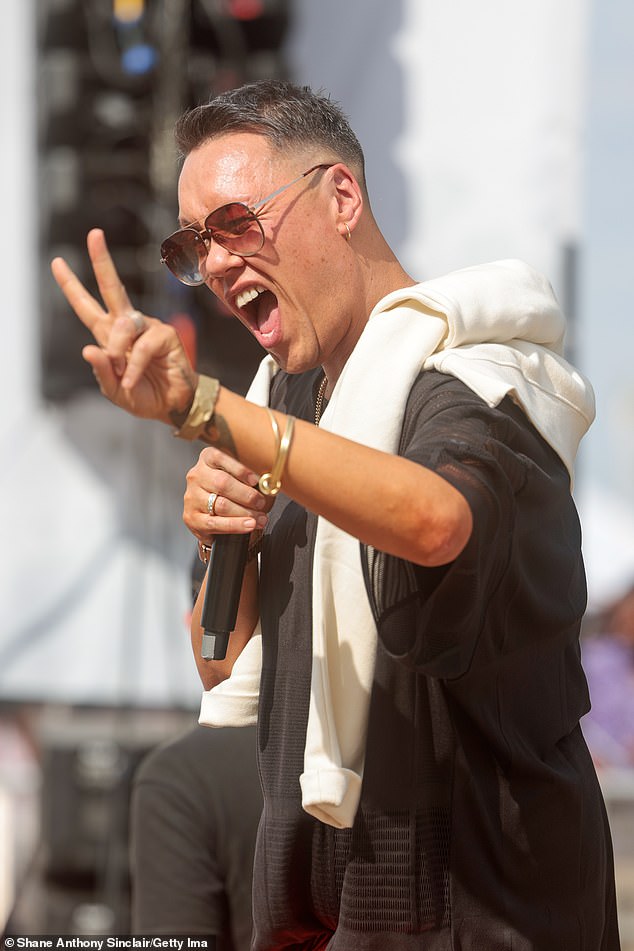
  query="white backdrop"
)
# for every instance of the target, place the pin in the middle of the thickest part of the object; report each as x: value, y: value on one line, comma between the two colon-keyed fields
x: 471, y: 116
x: 496, y: 130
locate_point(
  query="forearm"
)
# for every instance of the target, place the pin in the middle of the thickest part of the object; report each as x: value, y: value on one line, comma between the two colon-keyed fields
x: 212, y: 672
x: 384, y: 500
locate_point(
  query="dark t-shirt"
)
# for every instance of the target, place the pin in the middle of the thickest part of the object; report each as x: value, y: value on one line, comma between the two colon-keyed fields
x: 481, y: 824
x: 195, y: 810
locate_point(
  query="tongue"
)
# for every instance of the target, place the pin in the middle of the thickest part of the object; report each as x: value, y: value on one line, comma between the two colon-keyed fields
x: 267, y: 315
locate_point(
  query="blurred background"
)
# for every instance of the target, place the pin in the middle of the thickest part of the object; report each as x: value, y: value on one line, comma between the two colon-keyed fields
x: 491, y: 130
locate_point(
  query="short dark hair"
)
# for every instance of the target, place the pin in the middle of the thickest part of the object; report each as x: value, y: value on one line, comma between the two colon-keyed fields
x: 290, y: 116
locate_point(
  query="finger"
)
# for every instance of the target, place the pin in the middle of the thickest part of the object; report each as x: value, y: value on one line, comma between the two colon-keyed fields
x: 103, y: 370
x: 112, y: 291
x: 219, y: 506
x: 216, y: 493
x: 230, y: 526
x: 212, y: 458
x: 87, y: 308
x: 205, y: 526
x: 155, y: 342
x: 125, y: 330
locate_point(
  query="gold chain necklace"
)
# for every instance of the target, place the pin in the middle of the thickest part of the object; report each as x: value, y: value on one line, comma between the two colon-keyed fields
x: 319, y: 402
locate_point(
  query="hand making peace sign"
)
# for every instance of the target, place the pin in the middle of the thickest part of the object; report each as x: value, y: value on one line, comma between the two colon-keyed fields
x: 139, y: 361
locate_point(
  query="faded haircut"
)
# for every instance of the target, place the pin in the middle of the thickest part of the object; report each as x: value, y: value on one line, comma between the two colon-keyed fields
x: 289, y: 116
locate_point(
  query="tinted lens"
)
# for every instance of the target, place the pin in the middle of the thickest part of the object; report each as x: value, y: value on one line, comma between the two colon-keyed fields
x: 236, y: 228
x: 183, y: 253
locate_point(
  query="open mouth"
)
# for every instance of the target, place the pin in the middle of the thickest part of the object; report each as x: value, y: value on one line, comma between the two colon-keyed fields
x: 246, y: 297
x: 261, y: 310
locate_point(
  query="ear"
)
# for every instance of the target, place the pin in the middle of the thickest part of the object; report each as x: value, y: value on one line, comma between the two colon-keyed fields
x: 349, y: 198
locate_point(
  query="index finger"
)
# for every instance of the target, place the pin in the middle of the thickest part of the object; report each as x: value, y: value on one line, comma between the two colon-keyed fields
x: 213, y: 458
x: 112, y: 291
x: 87, y: 308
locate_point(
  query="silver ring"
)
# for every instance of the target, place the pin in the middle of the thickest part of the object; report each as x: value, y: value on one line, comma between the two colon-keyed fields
x: 211, y: 503
x: 138, y: 320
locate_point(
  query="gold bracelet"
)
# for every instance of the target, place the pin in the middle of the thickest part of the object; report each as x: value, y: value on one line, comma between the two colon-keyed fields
x: 202, y: 409
x: 276, y: 434
x: 271, y: 482
x: 275, y: 427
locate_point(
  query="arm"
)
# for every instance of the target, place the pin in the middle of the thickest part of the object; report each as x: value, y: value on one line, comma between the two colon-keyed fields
x: 211, y: 672
x: 238, y: 508
x: 384, y: 500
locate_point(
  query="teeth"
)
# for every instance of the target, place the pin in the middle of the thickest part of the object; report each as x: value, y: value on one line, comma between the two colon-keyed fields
x: 250, y: 294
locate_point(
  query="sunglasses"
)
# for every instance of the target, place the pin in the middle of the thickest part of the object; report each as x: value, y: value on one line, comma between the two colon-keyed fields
x: 235, y: 227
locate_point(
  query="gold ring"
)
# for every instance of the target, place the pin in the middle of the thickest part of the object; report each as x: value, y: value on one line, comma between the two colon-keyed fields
x: 211, y: 503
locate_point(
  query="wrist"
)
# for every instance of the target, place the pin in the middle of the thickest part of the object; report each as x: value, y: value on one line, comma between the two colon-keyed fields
x: 193, y: 423
x: 178, y: 416
x: 255, y: 546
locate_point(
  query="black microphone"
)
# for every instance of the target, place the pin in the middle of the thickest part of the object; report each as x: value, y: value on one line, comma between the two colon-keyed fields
x: 222, y: 596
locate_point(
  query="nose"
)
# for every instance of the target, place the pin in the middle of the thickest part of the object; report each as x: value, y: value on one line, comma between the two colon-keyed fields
x: 218, y: 260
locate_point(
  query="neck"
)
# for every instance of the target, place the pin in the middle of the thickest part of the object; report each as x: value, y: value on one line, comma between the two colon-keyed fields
x: 381, y: 282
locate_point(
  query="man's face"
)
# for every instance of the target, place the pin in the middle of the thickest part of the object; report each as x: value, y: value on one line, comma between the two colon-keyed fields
x: 286, y: 294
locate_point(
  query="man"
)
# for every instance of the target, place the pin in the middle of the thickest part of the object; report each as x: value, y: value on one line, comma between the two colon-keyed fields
x: 410, y: 640
x: 194, y: 813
